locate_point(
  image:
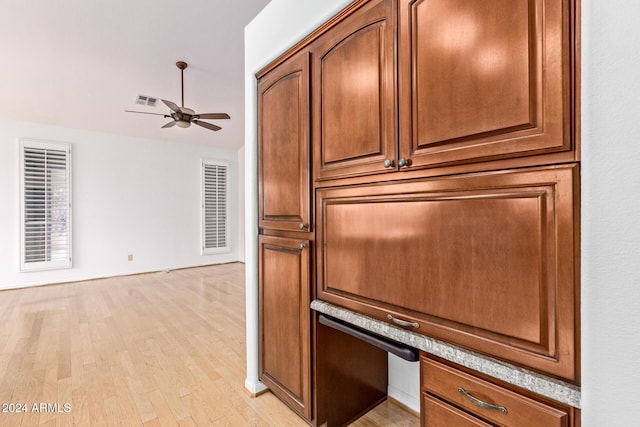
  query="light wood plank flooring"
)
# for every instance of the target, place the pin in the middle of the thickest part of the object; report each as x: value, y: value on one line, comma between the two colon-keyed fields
x: 158, y: 349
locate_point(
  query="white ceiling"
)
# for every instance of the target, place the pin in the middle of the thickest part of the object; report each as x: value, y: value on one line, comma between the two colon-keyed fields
x: 81, y: 63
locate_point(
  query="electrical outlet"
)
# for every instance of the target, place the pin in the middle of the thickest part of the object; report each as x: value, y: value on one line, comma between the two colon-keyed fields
x: 130, y: 257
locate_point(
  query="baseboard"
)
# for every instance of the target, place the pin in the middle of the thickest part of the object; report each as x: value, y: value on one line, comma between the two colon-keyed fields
x: 255, y: 389
x: 89, y: 278
x: 404, y: 400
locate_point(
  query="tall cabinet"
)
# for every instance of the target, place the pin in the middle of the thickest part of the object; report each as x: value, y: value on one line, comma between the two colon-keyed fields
x: 284, y: 259
x: 419, y: 164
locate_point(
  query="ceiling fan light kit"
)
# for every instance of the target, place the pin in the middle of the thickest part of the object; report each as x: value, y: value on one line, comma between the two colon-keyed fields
x: 183, y: 116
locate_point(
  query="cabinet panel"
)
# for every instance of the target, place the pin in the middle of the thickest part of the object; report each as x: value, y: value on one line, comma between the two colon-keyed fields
x: 283, y: 146
x: 435, y: 413
x: 354, y: 92
x: 284, y: 318
x: 488, y: 401
x: 485, y: 261
x: 482, y: 80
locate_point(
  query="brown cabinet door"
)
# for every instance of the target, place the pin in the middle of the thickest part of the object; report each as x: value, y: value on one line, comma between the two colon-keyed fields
x: 283, y: 146
x: 354, y: 94
x: 483, y: 80
x: 486, y: 261
x: 284, y: 320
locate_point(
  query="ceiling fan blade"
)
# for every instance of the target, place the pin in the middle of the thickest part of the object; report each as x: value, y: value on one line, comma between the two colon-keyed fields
x: 144, y: 112
x: 213, y: 116
x: 207, y: 125
x: 170, y: 124
x: 171, y: 105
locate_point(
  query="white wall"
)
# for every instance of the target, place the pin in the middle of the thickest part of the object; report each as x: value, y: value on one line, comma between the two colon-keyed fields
x: 130, y: 196
x: 610, y: 221
x: 280, y: 25
x: 610, y: 213
x: 241, y: 203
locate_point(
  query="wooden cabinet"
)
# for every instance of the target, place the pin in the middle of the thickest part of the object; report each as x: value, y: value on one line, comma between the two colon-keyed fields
x: 354, y: 120
x: 283, y: 146
x: 453, y: 397
x: 486, y: 261
x: 483, y: 79
x: 284, y: 320
x: 440, y: 140
x: 475, y: 81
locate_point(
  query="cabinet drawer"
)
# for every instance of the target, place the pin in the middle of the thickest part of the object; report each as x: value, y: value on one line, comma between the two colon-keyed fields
x: 485, y: 261
x: 509, y: 408
x: 436, y: 413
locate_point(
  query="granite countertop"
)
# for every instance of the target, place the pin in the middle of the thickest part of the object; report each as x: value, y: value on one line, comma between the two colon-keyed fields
x: 552, y: 388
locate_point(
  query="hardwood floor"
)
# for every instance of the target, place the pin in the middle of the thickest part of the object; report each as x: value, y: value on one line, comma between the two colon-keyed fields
x: 158, y: 349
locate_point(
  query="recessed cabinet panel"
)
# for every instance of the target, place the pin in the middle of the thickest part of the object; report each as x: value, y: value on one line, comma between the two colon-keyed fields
x: 485, y: 261
x: 483, y: 80
x: 351, y: 105
x: 354, y: 90
x: 283, y: 105
x: 284, y: 300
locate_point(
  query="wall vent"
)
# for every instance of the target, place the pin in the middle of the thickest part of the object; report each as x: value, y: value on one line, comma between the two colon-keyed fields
x: 146, y: 100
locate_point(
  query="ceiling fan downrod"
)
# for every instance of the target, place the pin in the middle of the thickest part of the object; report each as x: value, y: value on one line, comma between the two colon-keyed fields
x: 182, y: 65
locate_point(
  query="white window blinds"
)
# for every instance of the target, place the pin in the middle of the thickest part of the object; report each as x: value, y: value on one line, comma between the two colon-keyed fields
x: 214, y: 207
x: 45, y: 193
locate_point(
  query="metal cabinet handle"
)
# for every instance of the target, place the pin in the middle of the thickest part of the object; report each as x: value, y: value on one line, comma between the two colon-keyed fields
x: 388, y: 163
x: 401, y: 322
x: 301, y: 246
x: 302, y: 226
x: 402, y: 162
x: 480, y: 403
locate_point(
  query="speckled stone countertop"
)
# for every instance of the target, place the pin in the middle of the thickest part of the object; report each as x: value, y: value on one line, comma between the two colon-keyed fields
x: 549, y: 387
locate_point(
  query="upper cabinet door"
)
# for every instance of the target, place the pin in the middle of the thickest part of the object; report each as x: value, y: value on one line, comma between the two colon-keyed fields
x: 283, y: 146
x: 483, y: 80
x: 354, y: 94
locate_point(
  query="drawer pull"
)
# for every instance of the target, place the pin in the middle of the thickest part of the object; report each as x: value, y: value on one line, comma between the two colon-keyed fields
x: 401, y: 322
x: 480, y: 403
x: 301, y: 246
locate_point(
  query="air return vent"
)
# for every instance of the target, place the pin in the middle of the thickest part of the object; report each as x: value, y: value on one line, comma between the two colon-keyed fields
x: 146, y: 100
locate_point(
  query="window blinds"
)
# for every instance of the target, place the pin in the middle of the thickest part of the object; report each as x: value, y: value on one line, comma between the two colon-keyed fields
x: 214, y: 207
x: 45, y: 205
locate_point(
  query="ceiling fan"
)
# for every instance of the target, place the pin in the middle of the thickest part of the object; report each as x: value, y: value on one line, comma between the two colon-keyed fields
x: 183, y: 116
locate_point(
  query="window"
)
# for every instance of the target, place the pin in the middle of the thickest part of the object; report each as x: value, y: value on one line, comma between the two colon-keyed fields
x: 214, y: 207
x: 45, y: 205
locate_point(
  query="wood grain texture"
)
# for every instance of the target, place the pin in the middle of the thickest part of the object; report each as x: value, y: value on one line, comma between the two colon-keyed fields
x: 501, y: 245
x: 437, y: 413
x: 284, y: 190
x: 481, y: 80
x: 443, y: 381
x: 285, y: 320
x: 354, y: 93
x: 147, y: 350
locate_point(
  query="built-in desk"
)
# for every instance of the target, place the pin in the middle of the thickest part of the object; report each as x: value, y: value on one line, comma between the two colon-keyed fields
x: 542, y: 385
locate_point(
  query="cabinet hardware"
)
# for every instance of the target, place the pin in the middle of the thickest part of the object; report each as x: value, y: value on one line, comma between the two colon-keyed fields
x: 301, y: 246
x: 401, y: 322
x: 402, y: 162
x: 302, y: 226
x: 388, y: 163
x: 480, y: 403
